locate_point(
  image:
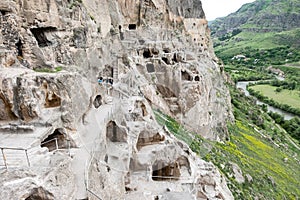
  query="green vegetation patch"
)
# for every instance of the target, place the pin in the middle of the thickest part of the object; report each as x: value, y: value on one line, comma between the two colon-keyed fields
x: 289, y: 97
x: 48, y: 70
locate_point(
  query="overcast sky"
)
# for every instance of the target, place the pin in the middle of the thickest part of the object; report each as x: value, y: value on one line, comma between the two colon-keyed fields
x: 221, y: 8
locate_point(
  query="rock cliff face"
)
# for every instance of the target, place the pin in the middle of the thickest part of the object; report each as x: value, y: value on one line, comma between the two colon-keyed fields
x: 79, y: 80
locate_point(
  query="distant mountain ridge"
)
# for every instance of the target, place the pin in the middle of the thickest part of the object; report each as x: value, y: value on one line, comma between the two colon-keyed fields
x: 264, y: 25
x: 260, y: 16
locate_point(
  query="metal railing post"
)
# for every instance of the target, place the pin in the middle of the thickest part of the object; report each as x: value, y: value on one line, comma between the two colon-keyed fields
x: 69, y: 146
x: 56, y: 144
x: 4, y: 159
x: 27, y: 158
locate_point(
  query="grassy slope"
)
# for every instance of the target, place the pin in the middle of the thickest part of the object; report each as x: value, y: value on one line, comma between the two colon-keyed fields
x: 259, y: 152
x: 245, y: 41
x: 289, y: 97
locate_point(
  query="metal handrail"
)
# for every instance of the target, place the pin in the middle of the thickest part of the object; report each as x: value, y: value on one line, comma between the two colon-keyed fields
x: 13, y: 148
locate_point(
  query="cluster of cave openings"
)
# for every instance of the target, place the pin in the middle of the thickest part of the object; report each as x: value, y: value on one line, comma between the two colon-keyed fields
x: 97, y: 101
x: 40, y: 35
x: 57, y: 140
x: 165, y: 171
x: 146, y: 138
x: 115, y: 133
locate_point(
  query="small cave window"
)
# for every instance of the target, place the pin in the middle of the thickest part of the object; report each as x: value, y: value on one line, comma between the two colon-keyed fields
x: 56, y: 140
x: 147, y: 53
x: 121, y: 33
x: 175, y: 59
x: 52, y: 100
x: 150, y: 67
x: 166, y: 60
x: 132, y: 26
x: 19, y: 47
x: 165, y: 171
x: 195, y: 39
x: 115, y: 133
x: 97, y: 101
x: 186, y: 76
x: 166, y: 50
x: 3, y: 12
x: 197, y: 78
x: 144, y: 110
x: 40, y: 35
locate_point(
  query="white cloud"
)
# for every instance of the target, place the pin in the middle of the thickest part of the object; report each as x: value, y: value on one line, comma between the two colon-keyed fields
x: 221, y: 8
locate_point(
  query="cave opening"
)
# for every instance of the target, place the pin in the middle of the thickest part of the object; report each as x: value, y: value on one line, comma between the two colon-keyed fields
x: 165, y: 172
x: 197, y: 78
x: 147, y: 138
x: 175, y: 59
x: 166, y: 60
x: 166, y: 50
x: 40, y: 35
x: 132, y: 26
x: 186, y: 76
x: 56, y: 140
x: 19, y: 47
x: 97, y: 101
x: 115, y: 133
x: 147, y: 53
x: 52, y: 100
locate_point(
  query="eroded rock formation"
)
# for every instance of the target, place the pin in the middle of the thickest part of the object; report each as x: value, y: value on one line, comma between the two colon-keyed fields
x: 79, y: 80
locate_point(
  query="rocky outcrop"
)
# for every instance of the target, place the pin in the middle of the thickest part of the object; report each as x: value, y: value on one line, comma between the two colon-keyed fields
x: 86, y: 76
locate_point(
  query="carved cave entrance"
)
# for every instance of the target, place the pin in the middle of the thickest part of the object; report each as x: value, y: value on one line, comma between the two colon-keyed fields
x: 146, y: 138
x: 40, y: 35
x: 97, y: 101
x: 164, y: 172
x: 115, y: 133
x: 132, y: 26
x: 56, y: 140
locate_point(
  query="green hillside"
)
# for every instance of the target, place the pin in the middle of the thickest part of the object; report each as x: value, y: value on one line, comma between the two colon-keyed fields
x: 266, y: 148
x: 266, y: 31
